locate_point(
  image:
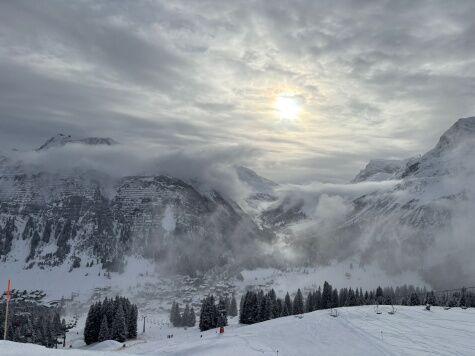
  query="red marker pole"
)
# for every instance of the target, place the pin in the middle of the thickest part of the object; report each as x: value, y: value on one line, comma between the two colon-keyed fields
x: 6, y: 310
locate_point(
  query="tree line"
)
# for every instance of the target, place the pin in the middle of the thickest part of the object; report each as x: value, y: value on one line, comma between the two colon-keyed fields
x: 215, y: 314
x: 111, y: 319
x: 185, y: 319
x: 257, y: 305
x: 29, y: 322
x: 212, y: 313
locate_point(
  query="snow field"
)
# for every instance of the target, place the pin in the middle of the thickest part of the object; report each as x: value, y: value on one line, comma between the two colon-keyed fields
x: 356, y: 331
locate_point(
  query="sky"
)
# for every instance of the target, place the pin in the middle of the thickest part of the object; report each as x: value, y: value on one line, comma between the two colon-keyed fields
x: 357, y: 79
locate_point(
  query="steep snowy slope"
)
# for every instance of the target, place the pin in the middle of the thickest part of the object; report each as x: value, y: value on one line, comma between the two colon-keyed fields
x: 424, y: 223
x: 415, y: 215
x: 381, y: 169
x: 356, y: 331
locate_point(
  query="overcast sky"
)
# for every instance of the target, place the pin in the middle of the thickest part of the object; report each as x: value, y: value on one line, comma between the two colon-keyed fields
x: 372, y: 79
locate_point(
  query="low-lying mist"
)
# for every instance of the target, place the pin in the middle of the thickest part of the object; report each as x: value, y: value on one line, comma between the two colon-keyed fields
x: 423, y: 222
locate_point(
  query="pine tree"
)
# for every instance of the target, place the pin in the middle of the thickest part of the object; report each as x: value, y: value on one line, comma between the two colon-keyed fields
x: 222, y: 318
x: 298, y: 307
x: 463, y: 298
x: 185, y: 317
x: 326, y: 302
x: 175, y: 317
x: 379, y: 295
x: 250, y: 309
x: 343, y: 297
x: 171, y: 318
x: 227, y: 303
x: 351, y: 301
x: 277, y: 313
x: 192, y: 320
x: 132, y: 324
x: 287, y: 305
x: 108, y: 307
x: 104, y: 330
x: 91, y: 329
x: 414, y: 300
x: 208, y: 314
x: 361, y: 300
x: 309, y: 303
x: 285, y: 310
x: 432, y: 299
x: 272, y: 299
x: 318, y: 299
x: 119, y: 329
x: 334, y: 300
x: 265, y: 309
x: 233, y: 307
x: 243, y: 309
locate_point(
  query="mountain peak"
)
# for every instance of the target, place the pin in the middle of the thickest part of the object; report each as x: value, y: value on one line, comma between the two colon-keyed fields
x: 253, y: 180
x: 379, y: 170
x: 464, y: 128
x: 62, y: 139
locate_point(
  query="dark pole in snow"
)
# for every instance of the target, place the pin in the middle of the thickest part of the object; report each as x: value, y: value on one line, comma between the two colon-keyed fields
x: 144, y: 323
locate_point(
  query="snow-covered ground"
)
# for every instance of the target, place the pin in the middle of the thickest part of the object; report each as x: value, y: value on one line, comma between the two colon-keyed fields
x: 82, y: 282
x: 340, y: 275
x: 356, y: 331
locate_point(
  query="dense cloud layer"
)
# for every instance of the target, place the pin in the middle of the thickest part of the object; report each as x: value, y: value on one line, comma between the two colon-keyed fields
x: 377, y: 79
x: 205, y: 167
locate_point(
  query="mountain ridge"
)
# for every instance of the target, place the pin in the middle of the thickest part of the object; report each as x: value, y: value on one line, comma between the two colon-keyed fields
x: 60, y: 140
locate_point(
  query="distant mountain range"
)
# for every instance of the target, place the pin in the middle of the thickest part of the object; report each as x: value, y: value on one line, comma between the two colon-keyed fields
x: 420, y: 220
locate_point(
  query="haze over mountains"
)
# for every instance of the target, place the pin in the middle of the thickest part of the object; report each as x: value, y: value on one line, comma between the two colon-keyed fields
x: 76, y: 200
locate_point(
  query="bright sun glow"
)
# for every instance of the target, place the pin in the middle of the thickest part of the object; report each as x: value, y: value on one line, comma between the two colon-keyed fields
x: 288, y: 107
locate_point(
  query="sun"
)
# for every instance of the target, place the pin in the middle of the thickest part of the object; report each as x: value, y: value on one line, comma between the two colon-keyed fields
x: 288, y: 107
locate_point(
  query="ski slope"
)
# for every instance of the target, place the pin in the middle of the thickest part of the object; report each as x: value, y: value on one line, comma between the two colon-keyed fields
x: 356, y: 331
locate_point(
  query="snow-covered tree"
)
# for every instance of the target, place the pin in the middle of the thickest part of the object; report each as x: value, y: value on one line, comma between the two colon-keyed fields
x: 119, y: 327
x: 233, y: 311
x: 298, y: 306
x: 287, y: 305
x: 104, y: 330
x: 208, y: 314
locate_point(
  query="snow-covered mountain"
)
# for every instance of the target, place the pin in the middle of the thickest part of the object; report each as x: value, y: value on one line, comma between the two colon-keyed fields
x: 410, y: 215
x: 381, y: 169
x: 414, y: 214
x: 261, y: 191
x: 80, y: 217
x: 254, y: 181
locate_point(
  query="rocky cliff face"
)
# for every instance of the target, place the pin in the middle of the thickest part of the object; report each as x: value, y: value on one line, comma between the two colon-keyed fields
x: 48, y: 219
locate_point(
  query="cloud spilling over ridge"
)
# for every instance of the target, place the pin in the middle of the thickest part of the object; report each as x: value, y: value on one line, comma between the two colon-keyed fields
x: 210, y: 167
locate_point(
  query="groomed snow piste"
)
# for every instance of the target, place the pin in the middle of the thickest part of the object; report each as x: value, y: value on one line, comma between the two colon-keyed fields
x: 356, y: 331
